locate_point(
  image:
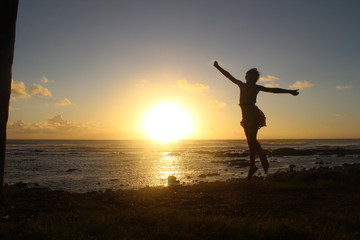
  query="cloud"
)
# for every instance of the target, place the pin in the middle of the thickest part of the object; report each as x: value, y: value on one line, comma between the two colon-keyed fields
x: 343, y: 87
x: 19, y: 89
x: 273, y: 84
x: 54, y: 127
x: 217, y: 104
x: 39, y: 91
x: 268, y: 78
x: 301, y: 85
x: 270, y: 81
x: 44, y: 80
x: 11, y: 108
x: 65, y: 102
x: 184, y: 84
x: 143, y: 81
x: 57, y: 120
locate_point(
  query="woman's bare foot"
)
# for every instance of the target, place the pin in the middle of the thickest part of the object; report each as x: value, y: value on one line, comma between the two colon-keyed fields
x: 252, y: 170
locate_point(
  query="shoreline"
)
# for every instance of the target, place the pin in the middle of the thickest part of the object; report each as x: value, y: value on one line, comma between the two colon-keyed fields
x: 228, y: 161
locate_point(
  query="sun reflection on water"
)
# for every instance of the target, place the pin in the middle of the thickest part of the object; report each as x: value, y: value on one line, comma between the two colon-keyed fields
x: 169, y: 164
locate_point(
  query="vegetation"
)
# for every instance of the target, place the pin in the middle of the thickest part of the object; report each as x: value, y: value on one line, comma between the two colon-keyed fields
x: 309, y: 204
x: 8, y: 15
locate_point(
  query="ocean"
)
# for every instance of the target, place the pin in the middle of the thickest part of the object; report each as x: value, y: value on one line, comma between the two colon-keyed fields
x: 97, y: 165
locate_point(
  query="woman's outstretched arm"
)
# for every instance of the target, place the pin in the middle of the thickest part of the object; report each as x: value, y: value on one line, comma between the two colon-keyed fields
x: 279, y: 90
x: 227, y: 74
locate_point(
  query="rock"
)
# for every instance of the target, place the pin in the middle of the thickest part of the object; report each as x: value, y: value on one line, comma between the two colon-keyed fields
x: 238, y: 163
x: 20, y: 185
x: 293, y: 152
x: 231, y: 154
x: 291, y: 167
x: 172, y: 181
x: 37, y: 150
x: 208, y: 175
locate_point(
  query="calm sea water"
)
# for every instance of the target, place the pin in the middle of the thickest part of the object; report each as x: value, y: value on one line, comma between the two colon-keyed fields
x: 91, y: 165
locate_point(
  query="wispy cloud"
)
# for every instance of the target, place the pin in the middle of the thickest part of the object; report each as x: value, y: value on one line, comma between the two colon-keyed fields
x: 57, y: 120
x: 19, y: 89
x: 344, y: 87
x: 11, y: 108
x: 184, y: 84
x: 64, y: 102
x: 39, y: 91
x: 142, y: 83
x: 44, y: 80
x: 273, y: 84
x: 53, y: 127
x: 268, y: 78
x: 302, y: 84
x: 217, y: 104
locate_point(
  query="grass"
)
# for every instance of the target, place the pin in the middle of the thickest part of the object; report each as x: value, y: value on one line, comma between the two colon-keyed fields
x: 308, y: 204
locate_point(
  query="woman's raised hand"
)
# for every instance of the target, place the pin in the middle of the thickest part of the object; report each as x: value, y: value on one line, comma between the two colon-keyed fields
x: 295, y: 92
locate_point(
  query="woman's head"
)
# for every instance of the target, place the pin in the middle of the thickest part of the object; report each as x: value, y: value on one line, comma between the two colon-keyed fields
x: 252, y: 76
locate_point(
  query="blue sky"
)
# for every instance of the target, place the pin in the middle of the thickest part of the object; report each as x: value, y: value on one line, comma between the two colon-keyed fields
x: 91, y: 69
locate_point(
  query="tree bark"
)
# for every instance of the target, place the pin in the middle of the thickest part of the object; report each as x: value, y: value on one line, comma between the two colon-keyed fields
x: 8, y: 15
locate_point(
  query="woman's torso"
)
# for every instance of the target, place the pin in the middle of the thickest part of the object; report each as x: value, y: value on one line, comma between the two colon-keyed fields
x: 248, y: 94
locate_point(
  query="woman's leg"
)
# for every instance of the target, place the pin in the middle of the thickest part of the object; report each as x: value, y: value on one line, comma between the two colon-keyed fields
x: 262, y: 156
x: 251, y: 139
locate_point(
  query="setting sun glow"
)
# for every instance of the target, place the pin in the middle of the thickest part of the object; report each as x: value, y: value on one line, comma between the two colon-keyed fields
x: 167, y: 122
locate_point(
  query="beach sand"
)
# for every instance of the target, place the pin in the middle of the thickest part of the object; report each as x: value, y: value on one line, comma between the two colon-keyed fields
x: 312, y: 204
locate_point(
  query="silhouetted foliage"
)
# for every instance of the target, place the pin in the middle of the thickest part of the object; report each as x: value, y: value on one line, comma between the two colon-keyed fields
x: 8, y: 14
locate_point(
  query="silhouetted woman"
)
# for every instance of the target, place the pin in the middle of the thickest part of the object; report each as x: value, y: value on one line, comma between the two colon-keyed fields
x: 253, y: 117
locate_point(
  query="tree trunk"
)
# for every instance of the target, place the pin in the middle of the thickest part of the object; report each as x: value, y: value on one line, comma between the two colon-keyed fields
x: 8, y: 14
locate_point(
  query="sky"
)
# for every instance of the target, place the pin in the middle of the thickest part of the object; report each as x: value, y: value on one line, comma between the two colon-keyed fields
x: 94, y: 69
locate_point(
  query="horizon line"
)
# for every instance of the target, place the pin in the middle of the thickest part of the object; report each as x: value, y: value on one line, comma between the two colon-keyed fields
x: 199, y: 139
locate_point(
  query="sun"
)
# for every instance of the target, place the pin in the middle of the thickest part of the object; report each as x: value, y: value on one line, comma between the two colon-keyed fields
x: 167, y: 122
